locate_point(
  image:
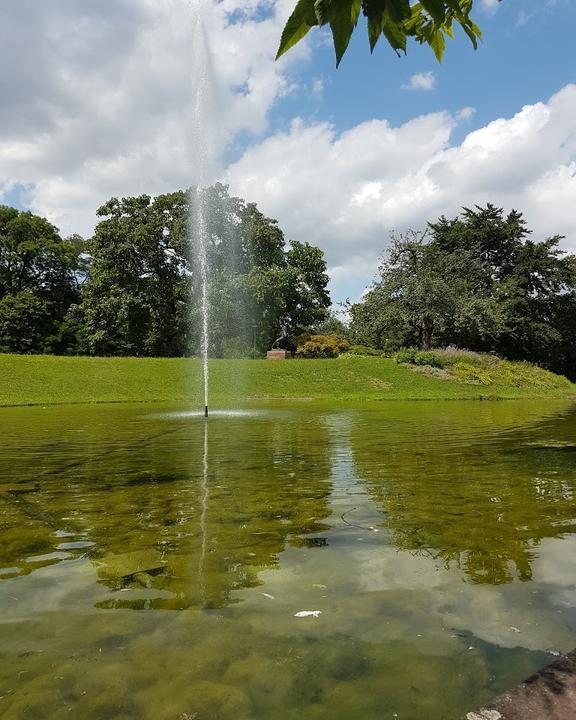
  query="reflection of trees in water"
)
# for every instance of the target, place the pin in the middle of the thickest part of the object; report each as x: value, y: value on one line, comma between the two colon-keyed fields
x: 267, y: 483
x: 481, y: 500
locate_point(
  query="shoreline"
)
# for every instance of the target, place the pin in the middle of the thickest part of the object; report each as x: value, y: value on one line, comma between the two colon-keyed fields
x: 36, y: 380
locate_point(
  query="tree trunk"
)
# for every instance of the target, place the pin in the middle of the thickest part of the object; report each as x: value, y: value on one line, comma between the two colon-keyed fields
x: 426, y: 335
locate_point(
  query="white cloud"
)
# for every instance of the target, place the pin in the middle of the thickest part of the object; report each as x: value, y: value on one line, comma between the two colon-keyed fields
x: 465, y: 113
x: 490, y: 5
x: 346, y: 192
x: 98, y: 101
x: 317, y: 87
x: 421, y: 81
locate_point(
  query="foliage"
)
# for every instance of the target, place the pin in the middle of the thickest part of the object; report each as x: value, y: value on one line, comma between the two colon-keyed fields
x: 332, y: 325
x: 24, y: 322
x: 143, y: 294
x: 479, y: 282
x: 412, y: 356
x: 39, y: 280
x: 363, y: 351
x: 475, y: 368
x: 41, y: 379
x: 442, y: 358
x: 321, y: 346
x: 428, y: 22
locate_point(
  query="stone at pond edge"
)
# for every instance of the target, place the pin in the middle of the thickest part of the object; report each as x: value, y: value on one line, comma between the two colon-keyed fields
x: 550, y: 694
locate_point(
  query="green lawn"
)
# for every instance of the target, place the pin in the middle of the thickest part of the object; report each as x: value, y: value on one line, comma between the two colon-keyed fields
x: 42, y: 379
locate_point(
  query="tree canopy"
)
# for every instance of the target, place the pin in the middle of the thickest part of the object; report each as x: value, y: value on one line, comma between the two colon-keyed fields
x: 428, y: 22
x: 479, y: 282
x: 142, y: 296
x: 134, y: 287
x: 39, y: 281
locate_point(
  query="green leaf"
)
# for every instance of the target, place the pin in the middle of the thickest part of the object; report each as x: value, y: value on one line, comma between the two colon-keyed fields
x: 342, y: 25
x: 426, y: 21
x: 297, y: 26
x: 435, y: 8
x: 374, y: 31
x: 322, y: 10
x: 473, y: 32
x: 399, y: 10
x: 394, y: 34
x: 438, y: 44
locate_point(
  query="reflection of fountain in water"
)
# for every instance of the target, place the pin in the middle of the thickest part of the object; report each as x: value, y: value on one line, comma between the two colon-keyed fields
x: 203, y: 511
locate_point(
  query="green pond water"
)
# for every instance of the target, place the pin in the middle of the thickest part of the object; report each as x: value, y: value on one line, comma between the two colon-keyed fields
x: 152, y: 564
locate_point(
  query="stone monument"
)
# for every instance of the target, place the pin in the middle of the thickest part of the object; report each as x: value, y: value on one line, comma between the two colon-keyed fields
x: 276, y: 353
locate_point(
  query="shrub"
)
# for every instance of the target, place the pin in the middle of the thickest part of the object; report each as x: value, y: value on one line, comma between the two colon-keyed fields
x: 235, y: 349
x: 472, y: 368
x: 444, y: 358
x: 431, y: 358
x: 364, y: 350
x: 406, y: 356
x: 321, y: 346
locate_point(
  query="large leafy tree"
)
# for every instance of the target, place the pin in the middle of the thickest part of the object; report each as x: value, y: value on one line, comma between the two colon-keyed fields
x: 427, y: 22
x: 143, y: 295
x: 477, y: 281
x: 133, y: 299
x: 39, y: 280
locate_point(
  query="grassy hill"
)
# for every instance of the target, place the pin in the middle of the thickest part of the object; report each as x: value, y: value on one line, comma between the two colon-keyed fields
x: 43, y: 379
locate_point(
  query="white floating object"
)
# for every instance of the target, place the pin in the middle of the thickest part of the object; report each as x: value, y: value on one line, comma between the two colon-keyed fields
x: 308, y: 613
x: 267, y: 595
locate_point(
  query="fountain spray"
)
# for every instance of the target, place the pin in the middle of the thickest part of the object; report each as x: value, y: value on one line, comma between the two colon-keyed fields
x: 204, y: 147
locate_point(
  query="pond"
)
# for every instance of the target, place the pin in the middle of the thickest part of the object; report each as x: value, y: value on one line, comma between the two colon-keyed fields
x: 287, y: 562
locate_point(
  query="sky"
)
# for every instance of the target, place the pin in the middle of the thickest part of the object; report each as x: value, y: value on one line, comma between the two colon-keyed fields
x: 97, y: 97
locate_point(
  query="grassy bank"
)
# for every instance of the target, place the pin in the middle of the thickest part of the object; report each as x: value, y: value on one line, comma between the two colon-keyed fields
x: 42, y: 379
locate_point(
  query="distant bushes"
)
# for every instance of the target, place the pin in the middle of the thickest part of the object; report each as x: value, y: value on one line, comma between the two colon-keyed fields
x: 331, y: 346
x: 443, y: 358
x: 364, y: 351
x: 472, y: 368
x: 450, y: 364
x: 320, y: 346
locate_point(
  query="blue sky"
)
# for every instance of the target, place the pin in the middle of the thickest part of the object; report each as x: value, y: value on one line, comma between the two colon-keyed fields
x: 98, y: 103
x: 526, y: 55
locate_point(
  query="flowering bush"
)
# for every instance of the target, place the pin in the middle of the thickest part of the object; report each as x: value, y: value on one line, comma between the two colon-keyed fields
x: 321, y: 346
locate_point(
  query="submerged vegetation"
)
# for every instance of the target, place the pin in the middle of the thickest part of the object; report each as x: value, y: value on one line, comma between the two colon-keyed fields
x: 145, y: 578
x: 46, y: 379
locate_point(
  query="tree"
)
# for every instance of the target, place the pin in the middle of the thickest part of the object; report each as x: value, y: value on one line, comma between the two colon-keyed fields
x: 427, y: 22
x: 412, y: 303
x: 479, y: 282
x: 515, y: 288
x: 143, y: 295
x: 133, y: 301
x: 332, y: 325
x: 39, y: 281
x: 25, y: 323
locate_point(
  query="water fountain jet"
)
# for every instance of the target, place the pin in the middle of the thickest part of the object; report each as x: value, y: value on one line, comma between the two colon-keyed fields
x: 204, y: 143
